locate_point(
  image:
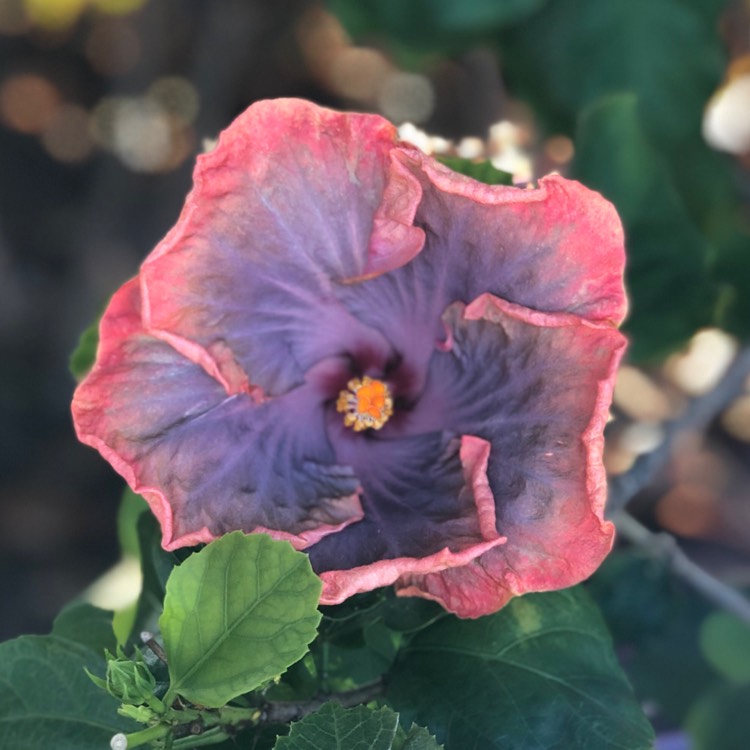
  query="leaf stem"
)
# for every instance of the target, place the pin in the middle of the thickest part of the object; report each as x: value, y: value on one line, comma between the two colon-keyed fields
x: 211, y: 737
x: 136, y: 739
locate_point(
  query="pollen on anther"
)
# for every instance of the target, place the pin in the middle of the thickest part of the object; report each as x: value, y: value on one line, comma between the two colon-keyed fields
x: 366, y: 403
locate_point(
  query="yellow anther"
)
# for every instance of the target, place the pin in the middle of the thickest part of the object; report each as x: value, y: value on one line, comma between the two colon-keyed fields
x: 367, y: 403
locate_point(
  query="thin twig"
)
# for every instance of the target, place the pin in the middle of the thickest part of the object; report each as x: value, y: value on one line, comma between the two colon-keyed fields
x: 282, y: 713
x: 679, y: 563
x: 699, y: 413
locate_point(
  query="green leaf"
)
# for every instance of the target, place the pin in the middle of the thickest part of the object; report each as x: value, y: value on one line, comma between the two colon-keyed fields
x: 430, y: 25
x: 83, y: 356
x: 573, y: 52
x: 482, y: 171
x: 237, y: 614
x: 48, y: 701
x: 720, y: 719
x: 409, y: 614
x: 666, y: 666
x: 156, y: 566
x: 725, y: 642
x: 417, y: 738
x: 88, y: 625
x: 667, y: 271
x: 131, y: 507
x: 668, y: 54
x: 635, y: 592
x: 369, y: 655
x: 539, y: 674
x: 732, y: 269
x: 335, y: 728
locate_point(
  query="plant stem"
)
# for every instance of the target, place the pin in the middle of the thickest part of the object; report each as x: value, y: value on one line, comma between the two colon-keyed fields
x: 136, y: 739
x: 699, y: 413
x: 666, y: 546
x: 211, y: 737
x: 284, y: 712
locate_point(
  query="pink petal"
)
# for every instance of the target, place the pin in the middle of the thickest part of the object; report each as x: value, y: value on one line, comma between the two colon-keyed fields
x: 556, y: 248
x: 207, y: 461
x: 294, y: 199
x: 545, y: 466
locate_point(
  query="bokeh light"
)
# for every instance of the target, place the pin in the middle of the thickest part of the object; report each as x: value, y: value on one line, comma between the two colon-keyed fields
x: 698, y: 368
x: 726, y: 121
x: 28, y: 102
x: 68, y: 137
x: 142, y: 132
x: 638, y: 396
x: 141, y: 136
x: 13, y: 17
x: 176, y: 96
x: 559, y: 149
x: 54, y: 15
x: 118, y: 7
x: 406, y: 97
x: 359, y: 73
x: 112, y: 46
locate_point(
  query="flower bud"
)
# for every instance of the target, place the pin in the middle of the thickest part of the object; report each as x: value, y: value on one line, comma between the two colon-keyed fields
x: 129, y: 680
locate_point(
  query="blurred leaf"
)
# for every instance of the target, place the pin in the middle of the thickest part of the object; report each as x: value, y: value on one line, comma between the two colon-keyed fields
x: 667, y: 668
x: 725, y: 642
x: 299, y: 682
x: 123, y: 622
x: 335, y: 728
x: 430, y: 25
x: 83, y: 356
x: 48, y: 701
x: 539, y: 673
x: 710, y: 10
x: 86, y: 624
x: 351, y: 615
x: 347, y: 667
x: 573, y: 52
x: 131, y: 507
x: 667, y: 272
x: 635, y: 594
x: 483, y: 171
x: 237, y: 614
x: 156, y: 566
x: 732, y: 268
x: 409, y: 614
x: 668, y: 54
x: 720, y: 720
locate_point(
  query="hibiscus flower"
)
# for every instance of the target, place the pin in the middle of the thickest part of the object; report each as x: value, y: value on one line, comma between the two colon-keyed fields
x: 400, y: 370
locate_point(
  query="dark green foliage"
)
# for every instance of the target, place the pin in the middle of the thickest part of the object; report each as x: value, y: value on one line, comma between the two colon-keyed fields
x: 725, y: 644
x: 336, y: 728
x: 85, y: 624
x: 48, y: 701
x: 430, y: 25
x: 720, y: 719
x: 360, y: 728
x: 82, y: 358
x: 483, y: 171
x: 541, y: 673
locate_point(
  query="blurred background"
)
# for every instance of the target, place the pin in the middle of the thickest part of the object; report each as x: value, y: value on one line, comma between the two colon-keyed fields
x: 104, y: 105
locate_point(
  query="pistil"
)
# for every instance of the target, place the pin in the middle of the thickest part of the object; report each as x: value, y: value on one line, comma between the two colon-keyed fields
x: 366, y: 403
